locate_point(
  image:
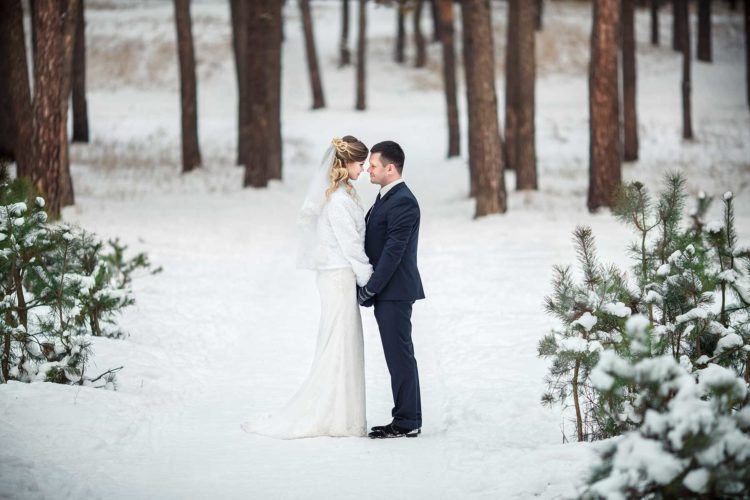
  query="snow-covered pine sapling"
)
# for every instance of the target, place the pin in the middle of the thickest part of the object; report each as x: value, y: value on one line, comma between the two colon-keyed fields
x: 599, y: 301
x: 106, y: 295
x: 670, y: 206
x: 58, y: 288
x: 23, y: 240
x: 121, y: 269
x: 633, y: 207
x: 672, y: 265
x: 58, y: 284
x: 694, y: 437
x: 687, y: 292
x: 733, y: 277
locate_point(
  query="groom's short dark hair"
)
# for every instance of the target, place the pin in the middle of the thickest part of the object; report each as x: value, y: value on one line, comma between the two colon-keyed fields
x: 390, y: 152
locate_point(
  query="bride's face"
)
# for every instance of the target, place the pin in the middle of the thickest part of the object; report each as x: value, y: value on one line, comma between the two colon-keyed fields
x: 355, y: 168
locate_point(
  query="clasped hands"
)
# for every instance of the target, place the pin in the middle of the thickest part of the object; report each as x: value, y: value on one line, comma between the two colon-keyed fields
x: 364, y: 296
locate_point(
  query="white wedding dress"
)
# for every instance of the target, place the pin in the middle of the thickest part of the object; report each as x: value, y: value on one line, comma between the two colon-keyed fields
x: 331, y: 400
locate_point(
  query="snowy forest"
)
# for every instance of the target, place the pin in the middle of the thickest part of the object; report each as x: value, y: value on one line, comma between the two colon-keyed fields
x: 583, y: 173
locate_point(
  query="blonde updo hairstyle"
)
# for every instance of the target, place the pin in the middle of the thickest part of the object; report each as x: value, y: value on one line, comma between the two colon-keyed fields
x: 346, y: 149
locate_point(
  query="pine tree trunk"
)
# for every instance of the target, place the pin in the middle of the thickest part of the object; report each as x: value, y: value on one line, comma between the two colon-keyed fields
x: 437, y: 23
x: 345, y: 57
x: 33, y: 14
x: 5, y: 362
x: 576, y: 403
x: 473, y: 139
x: 539, y: 12
x: 191, y: 156
x: 312, y: 56
x: 449, y: 76
x: 604, y: 156
x: 630, y: 116
x: 747, y: 51
x: 490, y: 196
x: 655, y: 22
x: 69, y: 15
x: 47, y: 98
x: 260, y: 34
x: 16, y: 132
x: 704, y: 31
x: 273, y: 65
x: 80, y: 106
x: 419, y: 42
x: 239, y: 43
x: 687, y: 122
x: 525, y: 160
x: 511, y: 85
x: 361, y: 56
x: 398, y: 53
x: 677, y: 25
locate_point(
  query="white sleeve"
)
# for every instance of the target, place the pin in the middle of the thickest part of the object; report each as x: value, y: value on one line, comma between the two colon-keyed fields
x: 351, y: 243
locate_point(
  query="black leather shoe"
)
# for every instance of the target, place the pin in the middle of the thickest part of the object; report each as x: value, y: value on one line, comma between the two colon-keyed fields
x: 393, y: 431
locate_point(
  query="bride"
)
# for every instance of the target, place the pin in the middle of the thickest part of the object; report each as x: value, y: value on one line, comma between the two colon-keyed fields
x: 331, y: 401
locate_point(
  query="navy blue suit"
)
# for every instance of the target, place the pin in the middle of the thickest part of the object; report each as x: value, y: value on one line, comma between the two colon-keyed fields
x: 391, y: 245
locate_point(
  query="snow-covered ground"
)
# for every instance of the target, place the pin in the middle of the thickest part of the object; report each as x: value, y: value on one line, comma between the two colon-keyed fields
x: 227, y: 331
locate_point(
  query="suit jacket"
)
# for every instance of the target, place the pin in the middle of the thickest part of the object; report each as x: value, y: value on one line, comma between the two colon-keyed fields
x: 391, y: 241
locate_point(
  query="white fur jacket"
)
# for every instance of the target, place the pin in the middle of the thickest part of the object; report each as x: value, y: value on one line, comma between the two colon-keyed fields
x: 341, y: 236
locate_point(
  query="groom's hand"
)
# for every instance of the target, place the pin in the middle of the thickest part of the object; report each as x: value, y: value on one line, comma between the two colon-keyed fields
x: 364, y: 296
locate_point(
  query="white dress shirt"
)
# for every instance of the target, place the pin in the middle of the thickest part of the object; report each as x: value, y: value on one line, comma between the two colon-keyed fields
x: 384, y: 190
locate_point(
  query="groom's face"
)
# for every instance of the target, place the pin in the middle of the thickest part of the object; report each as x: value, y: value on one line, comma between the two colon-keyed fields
x: 377, y: 170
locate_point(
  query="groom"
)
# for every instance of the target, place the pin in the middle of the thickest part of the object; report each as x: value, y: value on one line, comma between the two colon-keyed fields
x: 391, y: 245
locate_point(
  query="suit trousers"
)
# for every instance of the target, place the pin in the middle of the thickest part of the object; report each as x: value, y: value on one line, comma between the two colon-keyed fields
x: 394, y: 323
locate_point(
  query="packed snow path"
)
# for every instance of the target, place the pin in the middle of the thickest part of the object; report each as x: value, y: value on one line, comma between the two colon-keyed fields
x: 227, y: 331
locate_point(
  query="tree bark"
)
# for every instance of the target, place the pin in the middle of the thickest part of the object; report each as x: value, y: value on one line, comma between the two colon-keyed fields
x: 361, y: 56
x: 490, y: 196
x: 525, y: 149
x: 345, y: 57
x: 539, y: 12
x: 46, y: 103
x: 16, y: 132
x: 437, y: 23
x: 263, y: 55
x: 312, y: 56
x: 80, y: 106
x: 473, y: 139
x: 191, y: 156
x: 69, y: 16
x: 420, y: 59
x: 273, y: 65
x: 511, y: 84
x: 239, y: 42
x: 604, y: 156
x: 629, y: 77
x: 747, y: 52
x: 655, y: 22
x: 687, y: 122
x: 449, y: 76
x: 398, y: 53
x: 677, y: 26
x: 34, y: 21
x: 704, y: 31
x: 576, y: 403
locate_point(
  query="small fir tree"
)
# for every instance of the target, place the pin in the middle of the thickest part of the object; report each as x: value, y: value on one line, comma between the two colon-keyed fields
x: 693, y: 439
x: 675, y: 378
x: 59, y: 288
x: 681, y: 273
x: 592, y: 314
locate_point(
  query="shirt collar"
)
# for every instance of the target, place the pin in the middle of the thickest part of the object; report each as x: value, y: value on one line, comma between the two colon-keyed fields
x: 384, y: 190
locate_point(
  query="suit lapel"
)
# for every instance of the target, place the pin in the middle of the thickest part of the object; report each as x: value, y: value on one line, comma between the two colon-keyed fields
x: 380, y: 203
